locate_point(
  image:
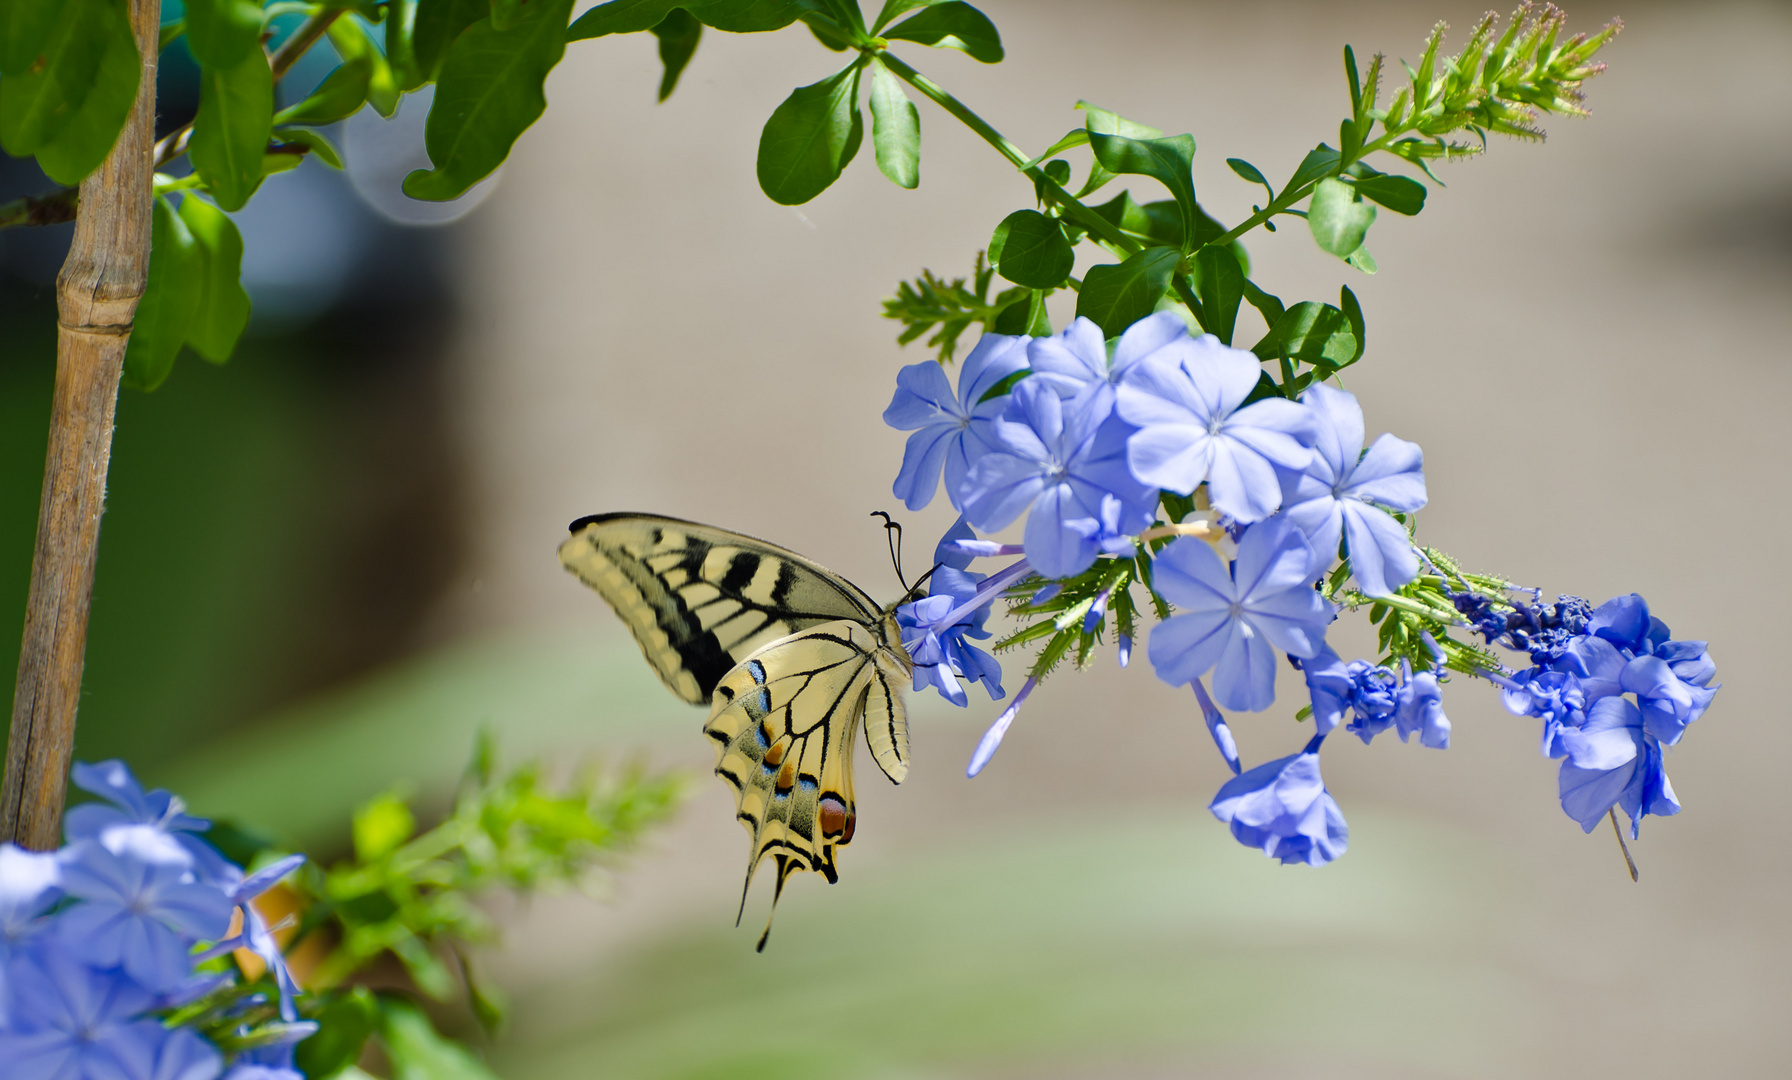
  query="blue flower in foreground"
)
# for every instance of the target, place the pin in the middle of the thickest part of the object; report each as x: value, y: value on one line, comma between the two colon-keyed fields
x: 940, y: 652
x: 1075, y: 357
x: 1185, y: 400
x: 1063, y: 463
x: 949, y: 426
x: 138, y: 914
x: 1282, y: 808
x: 1341, y: 492
x: 70, y: 1022
x: 29, y: 883
x: 156, y: 822
x: 1611, y: 761
x: 1232, y: 620
x: 186, y: 1056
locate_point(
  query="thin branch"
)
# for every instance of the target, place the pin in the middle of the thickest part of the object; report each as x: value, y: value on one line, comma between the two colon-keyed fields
x: 52, y: 209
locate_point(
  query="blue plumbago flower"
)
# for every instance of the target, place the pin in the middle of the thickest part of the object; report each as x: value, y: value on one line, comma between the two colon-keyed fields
x: 1668, y: 704
x: 1341, y: 492
x: 1233, y: 619
x: 154, y: 823
x: 1070, y: 360
x: 137, y: 913
x: 1374, y: 698
x: 992, y: 739
x: 1217, y: 727
x: 1185, y: 399
x: 1282, y: 808
x: 1419, y: 708
x: 71, y: 1022
x: 1555, y: 697
x: 949, y: 426
x: 1063, y: 463
x: 186, y: 1056
x: 30, y: 881
x: 939, y: 650
x: 1612, y: 760
x: 273, y: 1061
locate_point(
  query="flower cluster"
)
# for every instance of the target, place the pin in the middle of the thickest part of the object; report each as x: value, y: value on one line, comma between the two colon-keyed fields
x: 1273, y: 504
x: 1612, y: 689
x: 103, y: 939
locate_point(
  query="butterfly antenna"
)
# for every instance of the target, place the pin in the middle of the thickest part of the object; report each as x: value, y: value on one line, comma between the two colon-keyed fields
x: 893, y: 533
x: 1622, y: 846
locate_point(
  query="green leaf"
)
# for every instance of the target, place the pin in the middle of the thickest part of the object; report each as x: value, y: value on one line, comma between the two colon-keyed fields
x: 489, y: 92
x: 24, y: 27
x: 747, y: 16
x: 418, y: 1052
x: 1338, y: 218
x: 1401, y: 194
x: 170, y: 295
x: 506, y: 13
x: 1270, y: 307
x: 221, y: 32
x: 1029, y: 249
x: 343, y: 1026
x: 1221, y: 284
x: 1362, y: 260
x: 1353, y: 314
x: 321, y: 148
x: 1312, y: 333
x: 952, y: 25
x: 39, y: 100
x: 1101, y: 121
x: 230, y: 134
x: 439, y: 22
x: 401, y: 44
x: 222, y: 309
x: 1321, y: 161
x: 381, y: 827
x: 895, y: 129
x: 355, y: 45
x: 678, y: 34
x: 1075, y: 137
x: 339, y: 96
x: 1169, y: 161
x: 87, y: 137
x: 621, y: 17
x: 810, y: 138
x: 1251, y: 173
x: 1114, y: 296
x: 894, y: 9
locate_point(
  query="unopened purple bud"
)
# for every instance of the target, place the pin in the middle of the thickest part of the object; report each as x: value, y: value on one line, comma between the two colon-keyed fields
x: 1125, y: 649
x: 1045, y: 594
x: 1097, y: 611
x: 992, y: 739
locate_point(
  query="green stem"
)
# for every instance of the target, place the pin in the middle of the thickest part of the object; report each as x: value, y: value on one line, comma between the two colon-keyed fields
x: 1096, y: 225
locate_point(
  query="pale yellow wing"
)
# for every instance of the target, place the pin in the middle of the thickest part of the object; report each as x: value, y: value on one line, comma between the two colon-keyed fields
x: 784, y: 723
x: 700, y: 600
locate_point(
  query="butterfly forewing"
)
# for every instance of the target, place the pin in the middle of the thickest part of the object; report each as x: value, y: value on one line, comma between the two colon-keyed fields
x: 700, y: 600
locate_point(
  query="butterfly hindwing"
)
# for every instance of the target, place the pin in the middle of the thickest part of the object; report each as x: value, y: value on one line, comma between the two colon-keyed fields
x: 785, y: 723
x: 791, y: 658
x: 700, y: 600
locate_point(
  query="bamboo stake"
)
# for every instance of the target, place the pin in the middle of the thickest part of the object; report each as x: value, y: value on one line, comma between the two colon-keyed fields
x: 96, y: 298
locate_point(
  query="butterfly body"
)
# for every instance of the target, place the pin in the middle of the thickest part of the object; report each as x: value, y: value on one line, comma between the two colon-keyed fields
x: 791, y: 658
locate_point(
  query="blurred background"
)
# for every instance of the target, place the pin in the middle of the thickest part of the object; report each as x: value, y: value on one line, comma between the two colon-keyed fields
x: 327, y: 564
